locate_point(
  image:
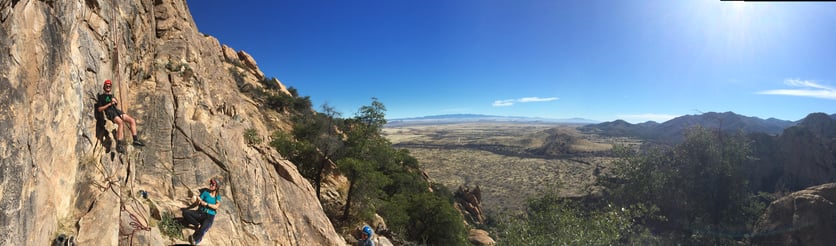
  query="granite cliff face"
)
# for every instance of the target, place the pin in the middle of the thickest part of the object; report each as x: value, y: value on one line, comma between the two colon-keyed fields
x: 60, y: 173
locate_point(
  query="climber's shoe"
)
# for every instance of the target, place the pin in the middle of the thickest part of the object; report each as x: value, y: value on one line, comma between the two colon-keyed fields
x: 138, y: 142
x: 120, y: 147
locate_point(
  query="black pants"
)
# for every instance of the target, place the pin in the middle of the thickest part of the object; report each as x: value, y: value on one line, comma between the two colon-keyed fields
x: 200, y: 219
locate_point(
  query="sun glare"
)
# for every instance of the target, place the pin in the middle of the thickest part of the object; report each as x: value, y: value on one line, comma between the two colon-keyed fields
x: 737, y: 5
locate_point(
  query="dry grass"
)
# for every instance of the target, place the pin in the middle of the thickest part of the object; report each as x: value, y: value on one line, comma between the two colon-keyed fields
x: 495, y: 156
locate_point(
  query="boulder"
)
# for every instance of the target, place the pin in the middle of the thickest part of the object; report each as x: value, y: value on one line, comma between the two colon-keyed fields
x: 480, y: 238
x: 229, y: 54
x: 470, y: 201
x: 806, y: 217
x: 250, y: 64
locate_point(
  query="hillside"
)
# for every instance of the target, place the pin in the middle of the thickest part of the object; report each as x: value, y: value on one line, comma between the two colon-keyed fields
x: 60, y: 171
x: 786, y: 155
x: 802, y: 156
x: 672, y: 131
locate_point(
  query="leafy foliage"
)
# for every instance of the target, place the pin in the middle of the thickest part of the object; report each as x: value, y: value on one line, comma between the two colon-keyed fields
x: 381, y: 179
x: 251, y: 136
x: 698, y: 186
x: 426, y: 218
x: 365, y: 187
x: 552, y: 220
x: 170, y: 227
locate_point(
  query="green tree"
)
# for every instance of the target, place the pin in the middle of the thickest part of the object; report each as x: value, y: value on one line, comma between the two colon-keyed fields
x: 374, y: 115
x: 328, y: 142
x: 364, y: 187
x: 698, y: 186
x: 302, y: 153
x: 426, y: 218
x: 552, y: 220
x: 388, y: 181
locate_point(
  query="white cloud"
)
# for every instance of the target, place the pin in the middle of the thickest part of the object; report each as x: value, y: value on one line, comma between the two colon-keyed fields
x: 537, y: 99
x: 638, y: 118
x: 509, y: 102
x: 808, y: 88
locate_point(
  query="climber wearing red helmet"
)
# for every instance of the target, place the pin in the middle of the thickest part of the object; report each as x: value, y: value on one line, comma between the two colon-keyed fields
x: 107, y: 103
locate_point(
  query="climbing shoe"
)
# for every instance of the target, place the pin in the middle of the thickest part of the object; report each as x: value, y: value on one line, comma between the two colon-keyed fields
x: 137, y: 142
x: 120, y: 147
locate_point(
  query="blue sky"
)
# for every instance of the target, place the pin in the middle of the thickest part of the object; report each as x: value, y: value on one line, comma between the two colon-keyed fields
x: 601, y: 60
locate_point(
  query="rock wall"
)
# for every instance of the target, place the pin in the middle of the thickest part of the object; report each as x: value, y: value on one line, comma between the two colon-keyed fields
x: 806, y: 217
x: 60, y: 173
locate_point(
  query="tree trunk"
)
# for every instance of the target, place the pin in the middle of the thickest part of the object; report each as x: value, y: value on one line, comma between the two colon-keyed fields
x: 318, y: 177
x: 348, y: 200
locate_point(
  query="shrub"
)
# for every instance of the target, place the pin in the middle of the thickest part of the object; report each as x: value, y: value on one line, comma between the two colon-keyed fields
x: 552, y: 220
x: 283, y: 143
x: 699, y: 186
x: 280, y: 102
x: 426, y: 218
x: 270, y: 83
x: 170, y: 227
x: 252, y: 137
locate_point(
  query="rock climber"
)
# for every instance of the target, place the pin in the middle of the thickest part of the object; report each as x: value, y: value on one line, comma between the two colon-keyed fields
x: 107, y: 103
x: 366, y: 237
x: 209, y: 202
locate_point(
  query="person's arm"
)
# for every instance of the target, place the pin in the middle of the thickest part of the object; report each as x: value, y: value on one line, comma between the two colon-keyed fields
x: 212, y: 206
x: 103, y: 107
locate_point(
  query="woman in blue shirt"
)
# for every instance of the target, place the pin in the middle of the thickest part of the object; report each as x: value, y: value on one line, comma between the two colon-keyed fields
x: 209, y: 201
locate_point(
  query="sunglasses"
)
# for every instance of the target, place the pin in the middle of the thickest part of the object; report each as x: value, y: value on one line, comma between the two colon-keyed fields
x: 107, y: 86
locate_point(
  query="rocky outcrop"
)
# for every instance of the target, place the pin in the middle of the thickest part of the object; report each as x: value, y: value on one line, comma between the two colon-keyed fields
x: 480, y: 238
x: 249, y: 63
x: 803, y: 155
x: 59, y: 172
x: 470, y: 204
x: 806, y: 217
x: 808, y: 151
x: 229, y: 54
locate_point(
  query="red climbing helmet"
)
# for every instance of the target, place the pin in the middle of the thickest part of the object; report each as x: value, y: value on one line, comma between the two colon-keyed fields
x: 107, y: 82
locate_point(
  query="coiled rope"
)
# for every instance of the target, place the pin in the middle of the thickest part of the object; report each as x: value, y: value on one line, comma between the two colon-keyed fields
x: 135, y: 223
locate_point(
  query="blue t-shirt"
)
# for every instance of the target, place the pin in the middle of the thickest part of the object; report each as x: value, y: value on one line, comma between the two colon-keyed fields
x: 207, y: 197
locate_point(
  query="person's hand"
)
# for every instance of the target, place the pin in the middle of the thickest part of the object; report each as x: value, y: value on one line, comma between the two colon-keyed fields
x: 113, y: 101
x: 194, y: 199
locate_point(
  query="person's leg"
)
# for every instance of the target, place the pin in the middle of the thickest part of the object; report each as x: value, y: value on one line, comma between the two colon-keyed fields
x: 130, y: 120
x: 192, y: 217
x: 204, y: 227
x: 119, y: 123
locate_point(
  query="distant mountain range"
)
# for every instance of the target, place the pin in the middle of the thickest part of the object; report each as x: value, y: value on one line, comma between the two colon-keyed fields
x: 786, y: 155
x: 462, y: 118
x: 672, y: 131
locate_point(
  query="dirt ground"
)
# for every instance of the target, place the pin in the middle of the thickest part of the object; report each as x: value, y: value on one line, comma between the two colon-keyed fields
x: 499, y: 157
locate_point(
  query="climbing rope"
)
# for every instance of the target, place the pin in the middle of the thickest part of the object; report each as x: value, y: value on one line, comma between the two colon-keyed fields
x: 135, y: 224
x: 116, y: 38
